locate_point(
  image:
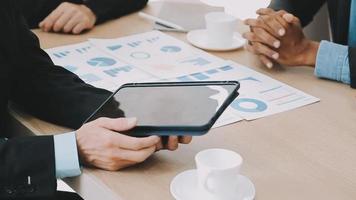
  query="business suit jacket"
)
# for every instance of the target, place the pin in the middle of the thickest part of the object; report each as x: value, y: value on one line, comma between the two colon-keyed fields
x: 30, y: 79
x: 36, y: 10
x: 339, y: 11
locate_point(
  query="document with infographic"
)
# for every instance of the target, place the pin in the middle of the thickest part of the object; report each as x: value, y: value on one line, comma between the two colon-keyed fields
x: 155, y: 56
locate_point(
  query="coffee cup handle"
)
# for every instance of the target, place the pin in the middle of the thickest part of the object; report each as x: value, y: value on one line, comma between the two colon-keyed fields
x: 206, y: 180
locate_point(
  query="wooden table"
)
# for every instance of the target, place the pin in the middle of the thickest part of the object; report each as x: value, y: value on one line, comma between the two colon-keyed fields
x: 307, y: 153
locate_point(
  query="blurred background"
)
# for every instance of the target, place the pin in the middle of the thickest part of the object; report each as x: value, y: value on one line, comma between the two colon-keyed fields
x: 318, y: 30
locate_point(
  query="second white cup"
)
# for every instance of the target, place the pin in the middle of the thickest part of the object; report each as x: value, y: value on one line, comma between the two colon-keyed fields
x: 220, y: 28
x: 218, y: 171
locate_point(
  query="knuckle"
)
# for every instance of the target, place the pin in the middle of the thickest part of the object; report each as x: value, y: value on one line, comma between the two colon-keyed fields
x: 282, y: 12
x: 66, y: 4
x: 112, y: 155
x: 108, y: 142
x: 79, y: 14
x: 258, y: 31
x: 89, y: 159
x: 66, y: 29
x: 57, y: 27
x: 267, y: 18
x: 174, y: 148
x: 50, y: 19
x: 187, y: 140
x: 254, y: 37
x: 257, y: 46
x: 113, y: 167
x: 137, y: 145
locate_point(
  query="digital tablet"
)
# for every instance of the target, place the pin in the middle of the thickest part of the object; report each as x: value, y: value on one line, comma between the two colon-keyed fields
x: 170, y: 108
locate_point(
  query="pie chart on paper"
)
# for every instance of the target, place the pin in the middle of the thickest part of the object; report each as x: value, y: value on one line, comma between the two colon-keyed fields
x: 101, y: 62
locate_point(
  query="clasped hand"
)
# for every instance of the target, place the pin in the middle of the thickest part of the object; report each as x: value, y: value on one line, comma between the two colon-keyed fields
x: 277, y: 37
x: 69, y: 18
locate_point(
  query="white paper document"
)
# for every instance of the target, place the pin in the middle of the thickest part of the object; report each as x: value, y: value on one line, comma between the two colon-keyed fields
x: 155, y: 56
x: 158, y: 54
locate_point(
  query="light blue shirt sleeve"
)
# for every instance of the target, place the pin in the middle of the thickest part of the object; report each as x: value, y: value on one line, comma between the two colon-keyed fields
x: 332, y: 62
x: 66, y: 155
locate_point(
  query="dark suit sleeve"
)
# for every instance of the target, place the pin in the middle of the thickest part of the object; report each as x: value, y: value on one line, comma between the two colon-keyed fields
x: 27, y: 168
x: 37, y: 10
x: 50, y: 92
x: 303, y: 9
x: 352, y: 63
x: 110, y: 9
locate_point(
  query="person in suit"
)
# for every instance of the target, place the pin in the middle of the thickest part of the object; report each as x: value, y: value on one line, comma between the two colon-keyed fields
x: 29, y: 166
x: 75, y: 16
x: 277, y: 36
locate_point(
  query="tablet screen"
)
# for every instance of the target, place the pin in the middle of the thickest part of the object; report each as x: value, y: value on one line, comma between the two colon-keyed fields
x: 167, y: 105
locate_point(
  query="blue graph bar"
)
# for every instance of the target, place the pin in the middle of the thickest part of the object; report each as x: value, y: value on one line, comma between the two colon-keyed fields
x: 61, y: 54
x: 171, y: 49
x: 134, y: 44
x: 200, y: 76
x: 57, y: 55
x: 71, y: 68
x: 226, y: 68
x: 198, y: 61
x: 212, y: 71
x: 152, y: 40
x: 185, y: 78
x: 89, y: 78
x: 114, y: 72
x: 83, y: 50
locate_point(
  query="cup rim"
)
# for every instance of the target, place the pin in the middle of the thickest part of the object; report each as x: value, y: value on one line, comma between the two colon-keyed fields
x: 220, y: 149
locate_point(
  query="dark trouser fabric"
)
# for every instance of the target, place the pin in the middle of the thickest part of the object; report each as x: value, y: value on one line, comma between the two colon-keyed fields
x: 58, y: 196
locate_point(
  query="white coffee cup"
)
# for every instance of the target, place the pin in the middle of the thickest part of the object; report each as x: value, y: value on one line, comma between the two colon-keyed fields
x: 218, y: 171
x: 220, y: 28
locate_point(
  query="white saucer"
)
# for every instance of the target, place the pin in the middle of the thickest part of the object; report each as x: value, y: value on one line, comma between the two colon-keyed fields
x: 199, y: 38
x: 185, y: 187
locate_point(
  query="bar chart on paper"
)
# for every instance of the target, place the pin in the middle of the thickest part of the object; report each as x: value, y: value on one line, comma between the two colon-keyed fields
x: 260, y: 95
x: 96, y: 67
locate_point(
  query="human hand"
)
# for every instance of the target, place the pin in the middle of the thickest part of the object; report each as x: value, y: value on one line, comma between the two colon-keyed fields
x: 278, y: 37
x: 173, y: 142
x: 69, y: 18
x: 100, y: 145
